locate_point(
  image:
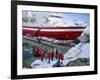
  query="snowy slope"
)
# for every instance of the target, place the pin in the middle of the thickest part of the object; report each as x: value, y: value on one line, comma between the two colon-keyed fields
x: 43, y: 64
x: 81, y: 50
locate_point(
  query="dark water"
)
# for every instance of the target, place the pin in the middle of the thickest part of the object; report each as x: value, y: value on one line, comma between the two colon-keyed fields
x: 27, y: 55
x: 28, y: 58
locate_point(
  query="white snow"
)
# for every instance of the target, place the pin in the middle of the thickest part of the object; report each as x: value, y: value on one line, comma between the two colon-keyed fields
x: 43, y: 64
x: 81, y: 50
x: 85, y: 50
x: 72, y: 54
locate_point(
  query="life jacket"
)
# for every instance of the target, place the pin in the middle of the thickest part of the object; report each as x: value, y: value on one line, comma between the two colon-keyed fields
x: 49, y: 55
x: 52, y: 54
x: 41, y: 55
x: 38, y: 50
x: 61, y: 57
x: 57, y: 53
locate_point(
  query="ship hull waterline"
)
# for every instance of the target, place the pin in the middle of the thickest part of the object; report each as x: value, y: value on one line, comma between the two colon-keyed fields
x: 59, y: 33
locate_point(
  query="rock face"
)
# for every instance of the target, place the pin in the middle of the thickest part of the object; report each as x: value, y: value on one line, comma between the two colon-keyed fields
x: 79, y: 62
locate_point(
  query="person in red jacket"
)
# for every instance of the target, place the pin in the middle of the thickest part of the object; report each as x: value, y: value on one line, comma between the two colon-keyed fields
x: 56, y: 54
x: 37, y: 51
x: 41, y: 55
x: 52, y: 55
x: 49, y: 57
x: 61, y: 58
x: 58, y: 57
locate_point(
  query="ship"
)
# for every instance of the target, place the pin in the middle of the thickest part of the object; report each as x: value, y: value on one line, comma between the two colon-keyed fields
x: 50, y: 26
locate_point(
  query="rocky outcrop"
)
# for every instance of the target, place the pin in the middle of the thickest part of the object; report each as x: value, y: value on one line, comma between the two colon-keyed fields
x: 79, y: 62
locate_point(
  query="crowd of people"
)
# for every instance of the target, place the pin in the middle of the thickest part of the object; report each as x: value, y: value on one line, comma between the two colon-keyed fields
x: 49, y: 55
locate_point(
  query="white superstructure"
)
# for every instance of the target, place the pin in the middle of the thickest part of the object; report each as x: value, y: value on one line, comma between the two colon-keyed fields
x: 43, y: 19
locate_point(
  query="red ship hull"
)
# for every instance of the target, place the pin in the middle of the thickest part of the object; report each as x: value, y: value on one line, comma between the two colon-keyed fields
x: 60, y: 33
